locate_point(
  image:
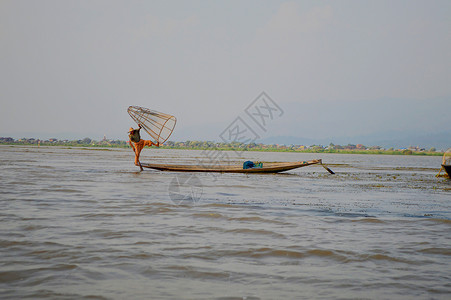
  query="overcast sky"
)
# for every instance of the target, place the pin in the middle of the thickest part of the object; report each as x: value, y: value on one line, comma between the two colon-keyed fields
x: 335, y: 68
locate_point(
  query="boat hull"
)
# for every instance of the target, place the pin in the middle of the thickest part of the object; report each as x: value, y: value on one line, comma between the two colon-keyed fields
x: 266, y: 167
x: 447, y: 169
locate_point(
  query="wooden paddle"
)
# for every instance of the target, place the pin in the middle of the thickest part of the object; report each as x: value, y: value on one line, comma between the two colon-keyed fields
x: 325, y: 167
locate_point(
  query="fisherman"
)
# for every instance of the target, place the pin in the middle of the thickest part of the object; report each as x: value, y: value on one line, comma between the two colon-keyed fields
x: 137, y: 143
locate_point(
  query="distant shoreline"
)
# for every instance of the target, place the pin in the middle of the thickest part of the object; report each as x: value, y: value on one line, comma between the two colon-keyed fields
x: 330, y: 151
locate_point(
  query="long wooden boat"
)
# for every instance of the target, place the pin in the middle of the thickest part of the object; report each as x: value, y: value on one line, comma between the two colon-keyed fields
x: 274, y: 167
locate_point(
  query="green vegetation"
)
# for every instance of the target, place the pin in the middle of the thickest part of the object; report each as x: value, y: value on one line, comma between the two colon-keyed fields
x: 348, y: 149
x: 234, y: 146
x: 86, y: 142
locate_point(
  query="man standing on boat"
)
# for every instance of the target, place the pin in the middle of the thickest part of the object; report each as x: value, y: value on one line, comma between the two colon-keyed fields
x: 137, y: 143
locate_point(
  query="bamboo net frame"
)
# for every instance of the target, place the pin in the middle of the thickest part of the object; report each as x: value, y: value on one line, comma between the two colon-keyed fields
x: 158, y: 125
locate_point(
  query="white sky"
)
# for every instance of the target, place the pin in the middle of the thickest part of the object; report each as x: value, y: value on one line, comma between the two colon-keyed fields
x: 337, y: 68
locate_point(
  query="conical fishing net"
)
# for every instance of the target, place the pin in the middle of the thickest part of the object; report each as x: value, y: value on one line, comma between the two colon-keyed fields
x: 158, y: 125
x: 447, y: 157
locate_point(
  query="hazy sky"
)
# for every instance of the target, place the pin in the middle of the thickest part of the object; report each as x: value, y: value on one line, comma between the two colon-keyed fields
x: 335, y: 68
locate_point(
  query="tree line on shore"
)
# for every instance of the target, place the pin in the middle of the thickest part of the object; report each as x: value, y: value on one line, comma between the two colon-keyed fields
x: 210, y: 145
x: 56, y: 142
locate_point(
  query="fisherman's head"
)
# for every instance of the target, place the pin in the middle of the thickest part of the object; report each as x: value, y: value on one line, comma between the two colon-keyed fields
x: 133, y: 134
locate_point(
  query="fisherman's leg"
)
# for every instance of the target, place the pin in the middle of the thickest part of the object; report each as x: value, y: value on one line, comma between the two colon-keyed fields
x: 148, y: 143
x: 138, y: 148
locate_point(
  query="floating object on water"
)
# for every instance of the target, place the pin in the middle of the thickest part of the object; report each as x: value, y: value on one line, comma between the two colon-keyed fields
x: 158, y: 125
x: 275, y: 167
x: 446, y: 164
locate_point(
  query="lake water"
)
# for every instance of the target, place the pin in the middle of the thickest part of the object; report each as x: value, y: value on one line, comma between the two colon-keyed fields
x: 85, y: 223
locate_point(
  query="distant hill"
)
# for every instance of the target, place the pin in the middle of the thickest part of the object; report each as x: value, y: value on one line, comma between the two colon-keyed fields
x: 385, y: 122
x: 441, y: 141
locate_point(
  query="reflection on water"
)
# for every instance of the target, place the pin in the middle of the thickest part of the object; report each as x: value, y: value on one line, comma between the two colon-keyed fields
x: 86, y: 223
